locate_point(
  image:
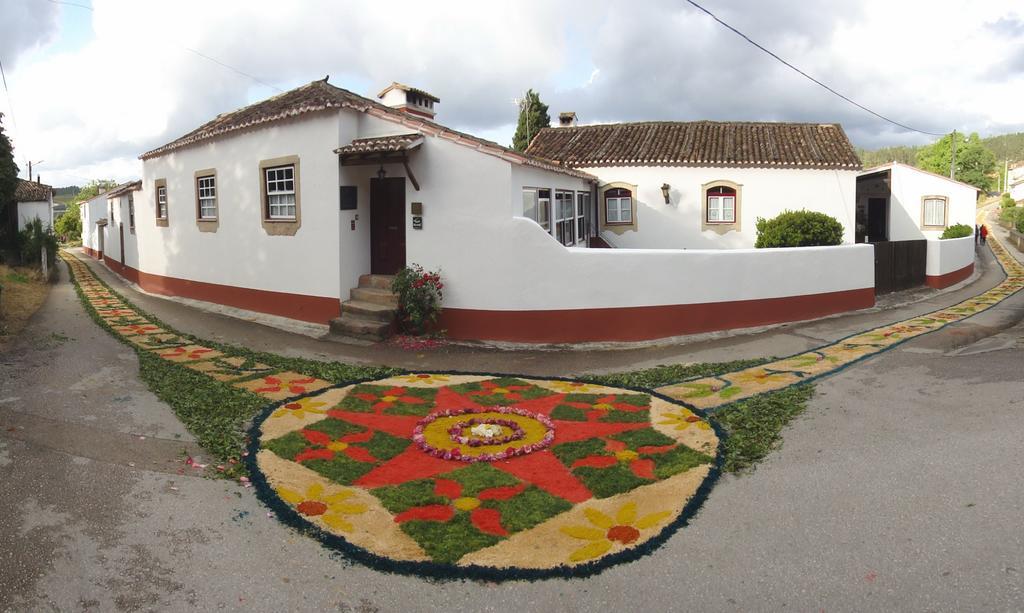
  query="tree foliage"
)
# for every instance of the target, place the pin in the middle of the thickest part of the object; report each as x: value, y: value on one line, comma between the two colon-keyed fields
x: 798, y: 229
x: 8, y: 184
x: 95, y: 188
x: 974, y: 162
x: 69, y: 225
x: 533, y: 115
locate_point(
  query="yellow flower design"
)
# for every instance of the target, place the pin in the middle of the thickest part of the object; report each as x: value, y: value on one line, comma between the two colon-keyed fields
x: 426, y: 378
x: 331, y: 508
x: 683, y: 420
x: 572, y: 387
x: 604, y: 531
x: 300, y: 408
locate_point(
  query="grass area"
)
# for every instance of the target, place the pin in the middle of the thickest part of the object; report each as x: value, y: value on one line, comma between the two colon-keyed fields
x: 754, y: 425
x: 22, y: 292
x: 218, y: 414
x: 669, y: 374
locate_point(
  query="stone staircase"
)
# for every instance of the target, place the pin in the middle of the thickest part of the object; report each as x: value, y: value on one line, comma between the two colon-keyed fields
x: 371, y: 311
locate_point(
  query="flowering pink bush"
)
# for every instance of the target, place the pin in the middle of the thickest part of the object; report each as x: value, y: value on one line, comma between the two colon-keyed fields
x: 419, y: 297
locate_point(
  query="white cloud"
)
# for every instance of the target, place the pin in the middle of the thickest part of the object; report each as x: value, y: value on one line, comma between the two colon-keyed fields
x: 937, y: 64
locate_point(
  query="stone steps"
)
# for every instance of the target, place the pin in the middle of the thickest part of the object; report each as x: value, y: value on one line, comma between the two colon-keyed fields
x: 370, y: 313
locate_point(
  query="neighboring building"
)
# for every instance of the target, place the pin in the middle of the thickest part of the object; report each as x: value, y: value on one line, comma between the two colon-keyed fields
x: 34, y: 201
x: 114, y: 207
x: 1015, y: 181
x: 903, y: 211
x: 897, y: 202
x: 702, y: 185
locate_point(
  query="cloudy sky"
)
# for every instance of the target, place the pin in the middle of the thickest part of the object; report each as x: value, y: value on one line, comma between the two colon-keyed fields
x: 93, y: 87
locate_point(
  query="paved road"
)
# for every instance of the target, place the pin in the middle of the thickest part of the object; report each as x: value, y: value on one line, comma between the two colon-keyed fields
x: 899, y: 489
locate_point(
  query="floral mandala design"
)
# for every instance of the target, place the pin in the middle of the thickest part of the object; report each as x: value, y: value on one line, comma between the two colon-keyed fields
x: 485, y: 474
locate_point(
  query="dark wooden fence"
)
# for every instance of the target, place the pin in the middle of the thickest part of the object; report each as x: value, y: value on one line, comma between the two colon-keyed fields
x: 899, y: 265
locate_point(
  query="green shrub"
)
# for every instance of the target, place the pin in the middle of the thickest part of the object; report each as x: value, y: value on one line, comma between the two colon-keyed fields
x: 1007, y: 202
x: 419, y: 297
x: 957, y: 231
x: 798, y: 229
x: 1020, y: 223
x: 33, y: 239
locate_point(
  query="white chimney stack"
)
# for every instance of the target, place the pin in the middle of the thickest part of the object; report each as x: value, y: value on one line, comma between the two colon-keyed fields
x: 409, y: 99
x: 567, y: 119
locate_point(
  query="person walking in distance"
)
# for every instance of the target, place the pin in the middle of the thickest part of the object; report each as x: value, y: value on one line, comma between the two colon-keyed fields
x: 977, y: 234
x: 984, y: 233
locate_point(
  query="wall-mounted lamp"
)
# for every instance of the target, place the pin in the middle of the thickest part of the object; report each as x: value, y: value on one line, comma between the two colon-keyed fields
x: 664, y: 191
x: 382, y: 173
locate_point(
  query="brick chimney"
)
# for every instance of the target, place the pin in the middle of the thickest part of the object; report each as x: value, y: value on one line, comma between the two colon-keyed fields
x: 409, y: 99
x: 567, y: 119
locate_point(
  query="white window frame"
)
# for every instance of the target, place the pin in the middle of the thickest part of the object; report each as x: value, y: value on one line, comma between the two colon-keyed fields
x: 207, y: 196
x: 620, y: 205
x: 565, y: 217
x: 582, y: 206
x: 942, y: 202
x: 161, y: 202
x: 276, y: 188
x: 719, y: 205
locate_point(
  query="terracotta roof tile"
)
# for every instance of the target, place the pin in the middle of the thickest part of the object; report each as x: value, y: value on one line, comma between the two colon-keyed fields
x: 381, y: 144
x: 320, y: 96
x: 124, y: 188
x: 30, y: 191
x: 699, y: 143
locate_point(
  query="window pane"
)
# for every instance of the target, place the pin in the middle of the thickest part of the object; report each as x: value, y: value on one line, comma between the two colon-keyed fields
x: 626, y: 205
x: 612, y: 210
x: 530, y: 204
x: 729, y: 209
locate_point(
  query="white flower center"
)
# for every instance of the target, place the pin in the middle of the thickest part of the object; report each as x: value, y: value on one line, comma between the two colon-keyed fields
x: 486, y: 430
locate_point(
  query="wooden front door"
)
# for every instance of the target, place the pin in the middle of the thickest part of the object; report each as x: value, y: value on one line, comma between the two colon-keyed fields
x: 387, y: 225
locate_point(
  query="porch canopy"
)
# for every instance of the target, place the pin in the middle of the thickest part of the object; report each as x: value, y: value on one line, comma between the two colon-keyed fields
x: 382, y: 150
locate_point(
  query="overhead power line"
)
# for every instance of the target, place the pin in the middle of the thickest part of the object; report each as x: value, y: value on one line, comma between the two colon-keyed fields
x: 10, y: 107
x: 809, y: 77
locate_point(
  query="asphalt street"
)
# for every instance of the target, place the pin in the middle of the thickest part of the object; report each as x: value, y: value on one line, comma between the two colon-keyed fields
x: 899, y: 489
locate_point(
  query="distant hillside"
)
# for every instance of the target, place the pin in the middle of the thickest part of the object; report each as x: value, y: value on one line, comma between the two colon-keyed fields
x: 1005, y: 147
x: 65, y: 195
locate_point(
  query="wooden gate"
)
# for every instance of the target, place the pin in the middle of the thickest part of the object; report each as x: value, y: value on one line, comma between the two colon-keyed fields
x: 899, y: 265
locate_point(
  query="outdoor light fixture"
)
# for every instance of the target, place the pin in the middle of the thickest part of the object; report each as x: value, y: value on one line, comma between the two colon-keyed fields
x: 382, y: 173
x: 664, y: 191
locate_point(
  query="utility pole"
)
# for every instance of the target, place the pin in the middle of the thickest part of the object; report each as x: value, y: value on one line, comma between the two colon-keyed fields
x: 1006, y: 175
x: 952, y: 162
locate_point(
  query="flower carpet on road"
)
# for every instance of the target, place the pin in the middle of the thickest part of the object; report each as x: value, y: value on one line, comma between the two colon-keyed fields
x: 492, y: 476
x: 711, y: 393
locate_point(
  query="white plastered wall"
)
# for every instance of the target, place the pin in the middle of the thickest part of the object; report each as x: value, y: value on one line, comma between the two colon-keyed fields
x: 241, y: 253
x: 910, y: 186
x: 950, y: 255
x: 765, y: 193
x: 41, y: 210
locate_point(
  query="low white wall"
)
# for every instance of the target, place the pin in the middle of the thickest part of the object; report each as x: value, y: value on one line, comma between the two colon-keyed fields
x: 515, y: 265
x: 950, y: 255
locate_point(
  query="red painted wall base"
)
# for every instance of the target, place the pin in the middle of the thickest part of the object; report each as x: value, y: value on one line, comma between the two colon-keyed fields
x: 645, y: 323
x: 314, y: 309
x: 950, y: 278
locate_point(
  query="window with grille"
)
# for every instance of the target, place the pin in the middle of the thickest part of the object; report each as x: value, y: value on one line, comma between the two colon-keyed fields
x: 280, y: 191
x: 207, y: 190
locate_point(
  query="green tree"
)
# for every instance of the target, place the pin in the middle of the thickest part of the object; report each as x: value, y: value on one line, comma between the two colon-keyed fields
x: 69, y: 225
x: 975, y: 163
x: 8, y: 183
x: 95, y: 188
x: 533, y: 115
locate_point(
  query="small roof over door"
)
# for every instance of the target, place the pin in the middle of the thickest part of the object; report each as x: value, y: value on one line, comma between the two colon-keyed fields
x: 379, y: 149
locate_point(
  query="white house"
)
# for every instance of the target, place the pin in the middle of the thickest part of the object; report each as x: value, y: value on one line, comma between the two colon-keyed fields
x: 1015, y: 181
x: 103, y: 217
x: 296, y: 205
x: 897, y: 202
x: 34, y: 201
x: 702, y: 185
